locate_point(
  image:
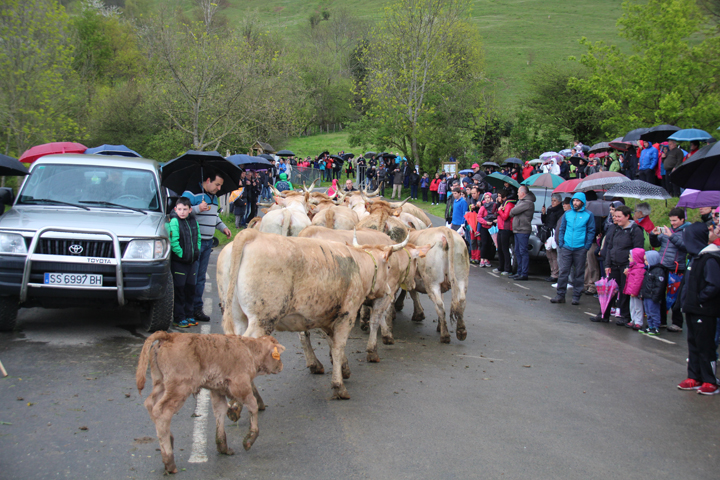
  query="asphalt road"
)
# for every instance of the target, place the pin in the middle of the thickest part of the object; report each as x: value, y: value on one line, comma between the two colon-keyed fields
x: 536, y: 391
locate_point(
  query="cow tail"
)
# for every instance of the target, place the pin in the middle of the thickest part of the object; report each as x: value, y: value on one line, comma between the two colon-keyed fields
x: 145, y: 358
x: 241, y: 239
x: 287, y: 221
x: 330, y: 218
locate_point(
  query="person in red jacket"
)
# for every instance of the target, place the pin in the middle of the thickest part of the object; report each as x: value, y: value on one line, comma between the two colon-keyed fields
x: 634, y: 275
x: 434, y: 198
x: 487, y: 216
x: 504, y: 224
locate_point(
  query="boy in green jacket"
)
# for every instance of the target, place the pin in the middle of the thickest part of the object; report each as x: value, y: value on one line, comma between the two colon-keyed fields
x: 184, y: 233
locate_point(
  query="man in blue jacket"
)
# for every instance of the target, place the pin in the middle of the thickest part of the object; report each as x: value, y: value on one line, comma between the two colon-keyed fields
x: 575, y: 236
x: 648, y: 162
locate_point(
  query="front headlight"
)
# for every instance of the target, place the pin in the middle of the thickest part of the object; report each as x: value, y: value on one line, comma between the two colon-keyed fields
x: 146, y: 249
x: 534, y: 229
x: 12, y: 243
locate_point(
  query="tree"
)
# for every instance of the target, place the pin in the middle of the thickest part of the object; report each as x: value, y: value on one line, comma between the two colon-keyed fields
x: 422, y: 59
x: 670, y: 76
x: 215, y: 86
x: 37, y: 85
x: 556, y: 102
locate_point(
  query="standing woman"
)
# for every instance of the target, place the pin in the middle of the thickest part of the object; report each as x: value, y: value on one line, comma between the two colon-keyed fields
x: 442, y: 190
x: 504, y: 223
x: 425, y: 186
x: 487, y: 217
x: 434, y: 184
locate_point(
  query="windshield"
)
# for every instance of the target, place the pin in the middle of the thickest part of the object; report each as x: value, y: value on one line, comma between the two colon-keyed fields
x: 91, y: 186
x: 542, y: 198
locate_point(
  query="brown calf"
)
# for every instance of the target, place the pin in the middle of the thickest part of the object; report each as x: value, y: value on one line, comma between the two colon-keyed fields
x: 182, y: 363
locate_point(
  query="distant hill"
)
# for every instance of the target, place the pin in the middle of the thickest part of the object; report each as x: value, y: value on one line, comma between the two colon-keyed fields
x: 518, y: 34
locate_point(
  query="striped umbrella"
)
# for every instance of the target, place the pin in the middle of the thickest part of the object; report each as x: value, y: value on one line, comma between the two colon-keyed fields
x: 547, y: 180
x: 600, y: 180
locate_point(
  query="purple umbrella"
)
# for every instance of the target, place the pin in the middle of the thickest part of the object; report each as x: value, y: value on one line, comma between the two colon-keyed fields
x: 697, y: 199
x: 606, y: 289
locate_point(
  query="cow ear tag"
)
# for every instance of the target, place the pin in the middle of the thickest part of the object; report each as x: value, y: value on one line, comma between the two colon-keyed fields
x: 276, y: 354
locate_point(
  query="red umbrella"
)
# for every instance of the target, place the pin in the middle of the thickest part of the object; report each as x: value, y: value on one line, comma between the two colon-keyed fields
x: 50, y: 148
x: 568, y: 186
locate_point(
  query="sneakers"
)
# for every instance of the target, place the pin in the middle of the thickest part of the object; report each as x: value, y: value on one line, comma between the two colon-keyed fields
x: 557, y: 299
x: 486, y: 264
x: 709, y: 389
x: 551, y: 279
x: 191, y: 321
x: 616, y: 312
x: 200, y: 316
x: 181, y: 324
x: 674, y: 328
x: 598, y: 318
x: 649, y: 331
x: 690, y: 384
x: 505, y: 273
x: 497, y: 270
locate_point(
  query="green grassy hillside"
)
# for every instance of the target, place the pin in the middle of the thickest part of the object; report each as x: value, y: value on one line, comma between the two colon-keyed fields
x: 518, y: 34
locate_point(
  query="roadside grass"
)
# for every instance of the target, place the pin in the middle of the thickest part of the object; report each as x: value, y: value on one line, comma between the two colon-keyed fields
x: 315, y: 144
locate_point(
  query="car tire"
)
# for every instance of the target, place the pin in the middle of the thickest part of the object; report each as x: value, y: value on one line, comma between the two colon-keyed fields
x: 159, y: 314
x: 8, y: 313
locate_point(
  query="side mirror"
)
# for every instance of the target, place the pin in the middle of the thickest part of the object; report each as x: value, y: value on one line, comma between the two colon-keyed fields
x: 7, y: 196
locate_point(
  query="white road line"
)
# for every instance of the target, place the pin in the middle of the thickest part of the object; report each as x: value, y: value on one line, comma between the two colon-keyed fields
x: 208, y: 287
x: 199, y: 446
x: 208, y: 309
x: 482, y: 358
x: 591, y: 314
x: 547, y: 297
x: 661, y: 339
x: 490, y: 273
x: 516, y: 284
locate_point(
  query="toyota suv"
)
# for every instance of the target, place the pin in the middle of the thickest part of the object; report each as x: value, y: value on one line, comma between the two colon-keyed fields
x: 87, y: 230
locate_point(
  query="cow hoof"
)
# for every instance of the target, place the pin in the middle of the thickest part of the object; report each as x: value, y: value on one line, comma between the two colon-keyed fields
x: 345, y: 371
x: 317, y: 369
x: 399, y: 307
x: 461, y: 334
x: 373, y: 357
x: 364, y: 326
x: 249, y: 440
x: 340, y: 393
x: 228, y: 451
x: 438, y: 328
x: 389, y: 340
x: 418, y: 317
x: 445, y: 339
x: 170, y: 472
x: 233, y: 413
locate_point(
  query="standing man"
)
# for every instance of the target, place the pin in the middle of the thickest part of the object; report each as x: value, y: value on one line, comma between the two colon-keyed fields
x: 460, y: 208
x: 397, y: 182
x: 648, y: 162
x: 522, y: 215
x: 551, y: 218
x: 671, y: 160
x: 575, y: 236
x: 205, y: 207
x: 621, y: 238
x: 361, y: 166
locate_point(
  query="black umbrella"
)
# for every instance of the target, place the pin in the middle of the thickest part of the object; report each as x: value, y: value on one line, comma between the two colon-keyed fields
x: 338, y: 159
x: 637, y: 189
x: 348, y: 156
x: 634, y: 135
x: 266, y: 156
x: 490, y: 164
x: 575, y: 160
x: 701, y: 171
x: 599, y: 208
x: 600, y: 147
x: 659, y: 133
x: 247, y: 162
x: 285, y: 153
x: 9, y: 167
x: 514, y: 160
x: 370, y: 154
x: 479, y: 176
x: 186, y: 171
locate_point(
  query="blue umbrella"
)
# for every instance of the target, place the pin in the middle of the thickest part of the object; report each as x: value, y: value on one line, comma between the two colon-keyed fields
x: 247, y: 162
x: 467, y: 171
x: 119, y: 150
x: 690, y: 135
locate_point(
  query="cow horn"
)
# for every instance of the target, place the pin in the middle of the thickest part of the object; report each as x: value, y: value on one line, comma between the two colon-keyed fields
x: 341, y: 195
x: 276, y: 191
x: 376, y: 192
x: 403, y: 202
x: 312, y: 185
x: 304, y: 187
x: 334, y: 195
x: 399, y: 246
x: 355, y: 242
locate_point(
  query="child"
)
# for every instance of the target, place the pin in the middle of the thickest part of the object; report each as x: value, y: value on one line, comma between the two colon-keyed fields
x: 442, y: 190
x: 635, y: 274
x: 652, y: 292
x: 184, y: 233
x: 700, y: 300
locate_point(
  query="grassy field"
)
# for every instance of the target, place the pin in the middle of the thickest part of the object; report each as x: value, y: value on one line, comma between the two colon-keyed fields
x: 315, y: 144
x: 518, y: 35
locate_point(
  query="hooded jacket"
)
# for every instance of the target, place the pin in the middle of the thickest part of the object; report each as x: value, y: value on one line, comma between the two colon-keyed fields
x: 522, y: 214
x: 505, y: 221
x: 577, y: 229
x: 184, y: 236
x: 649, y: 158
x: 619, y: 242
x: 635, y: 273
x: 672, y: 248
x: 654, y: 282
x: 700, y: 293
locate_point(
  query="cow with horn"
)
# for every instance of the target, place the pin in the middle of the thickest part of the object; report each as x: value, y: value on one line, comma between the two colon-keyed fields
x: 383, y: 218
x: 269, y: 288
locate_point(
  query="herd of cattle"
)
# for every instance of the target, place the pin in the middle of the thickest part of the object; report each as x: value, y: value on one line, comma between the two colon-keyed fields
x: 315, y: 261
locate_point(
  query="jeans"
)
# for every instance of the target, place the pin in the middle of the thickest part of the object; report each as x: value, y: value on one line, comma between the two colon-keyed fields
x: 522, y: 254
x: 202, y: 265
x: 413, y: 191
x: 652, y: 310
x: 566, y: 260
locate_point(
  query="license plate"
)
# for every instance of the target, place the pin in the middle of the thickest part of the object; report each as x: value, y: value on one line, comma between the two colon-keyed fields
x: 73, y: 279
